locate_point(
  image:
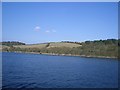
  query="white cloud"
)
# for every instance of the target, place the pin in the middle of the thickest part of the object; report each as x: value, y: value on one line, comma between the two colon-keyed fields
x: 54, y: 31
x: 37, y: 28
x: 50, y: 31
x: 47, y: 31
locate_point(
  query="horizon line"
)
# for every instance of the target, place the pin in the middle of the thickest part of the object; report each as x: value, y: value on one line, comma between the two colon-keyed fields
x: 56, y: 41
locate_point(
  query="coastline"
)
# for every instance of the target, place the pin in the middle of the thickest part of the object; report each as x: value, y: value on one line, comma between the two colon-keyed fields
x: 53, y: 54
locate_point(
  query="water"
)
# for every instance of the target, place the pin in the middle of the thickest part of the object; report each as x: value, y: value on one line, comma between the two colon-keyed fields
x: 45, y: 71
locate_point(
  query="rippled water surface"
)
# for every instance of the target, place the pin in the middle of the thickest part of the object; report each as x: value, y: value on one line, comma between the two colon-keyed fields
x: 45, y: 71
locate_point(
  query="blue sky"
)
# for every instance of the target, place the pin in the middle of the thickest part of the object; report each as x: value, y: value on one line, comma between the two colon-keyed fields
x: 52, y: 22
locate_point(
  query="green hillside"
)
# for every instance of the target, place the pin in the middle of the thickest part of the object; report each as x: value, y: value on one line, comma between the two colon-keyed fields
x: 97, y: 48
x: 51, y: 45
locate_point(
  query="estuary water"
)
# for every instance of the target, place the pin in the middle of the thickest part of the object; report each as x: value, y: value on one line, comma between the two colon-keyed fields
x: 22, y: 70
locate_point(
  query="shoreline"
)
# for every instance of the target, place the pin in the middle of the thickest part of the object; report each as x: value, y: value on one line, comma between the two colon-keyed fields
x: 53, y: 54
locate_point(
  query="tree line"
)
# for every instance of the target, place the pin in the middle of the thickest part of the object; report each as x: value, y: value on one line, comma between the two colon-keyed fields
x: 11, y: 43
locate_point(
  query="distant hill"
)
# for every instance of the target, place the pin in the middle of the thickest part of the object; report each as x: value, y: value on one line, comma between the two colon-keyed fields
x: 49, y: 45
x: 10, y: 43
x: 97, y: 48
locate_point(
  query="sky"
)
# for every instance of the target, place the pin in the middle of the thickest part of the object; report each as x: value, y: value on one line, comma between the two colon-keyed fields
x: 39, y: 22
x: 0, y: 22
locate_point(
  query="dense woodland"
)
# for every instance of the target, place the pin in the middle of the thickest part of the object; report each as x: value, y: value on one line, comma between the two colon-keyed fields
x: 105, y: 48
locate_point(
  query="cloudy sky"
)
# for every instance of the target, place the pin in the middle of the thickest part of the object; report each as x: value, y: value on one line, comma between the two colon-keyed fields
x: 46, y: 22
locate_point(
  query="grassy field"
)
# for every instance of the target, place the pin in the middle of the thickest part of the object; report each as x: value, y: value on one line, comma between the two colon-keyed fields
x: 31, y: 46
x: 53, y: 44
x: 62, y: 44
x: 3, y: 46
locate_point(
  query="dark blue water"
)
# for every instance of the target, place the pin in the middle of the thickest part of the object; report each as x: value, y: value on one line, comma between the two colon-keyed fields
x: 44, y: 71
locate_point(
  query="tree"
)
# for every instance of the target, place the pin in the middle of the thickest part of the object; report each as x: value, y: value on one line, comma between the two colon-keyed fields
x: 48, y: 44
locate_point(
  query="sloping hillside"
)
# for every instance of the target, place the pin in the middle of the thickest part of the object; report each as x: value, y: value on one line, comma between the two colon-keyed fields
x: 97, y: 48
x: 45, y: 45
x: 31, y: 46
